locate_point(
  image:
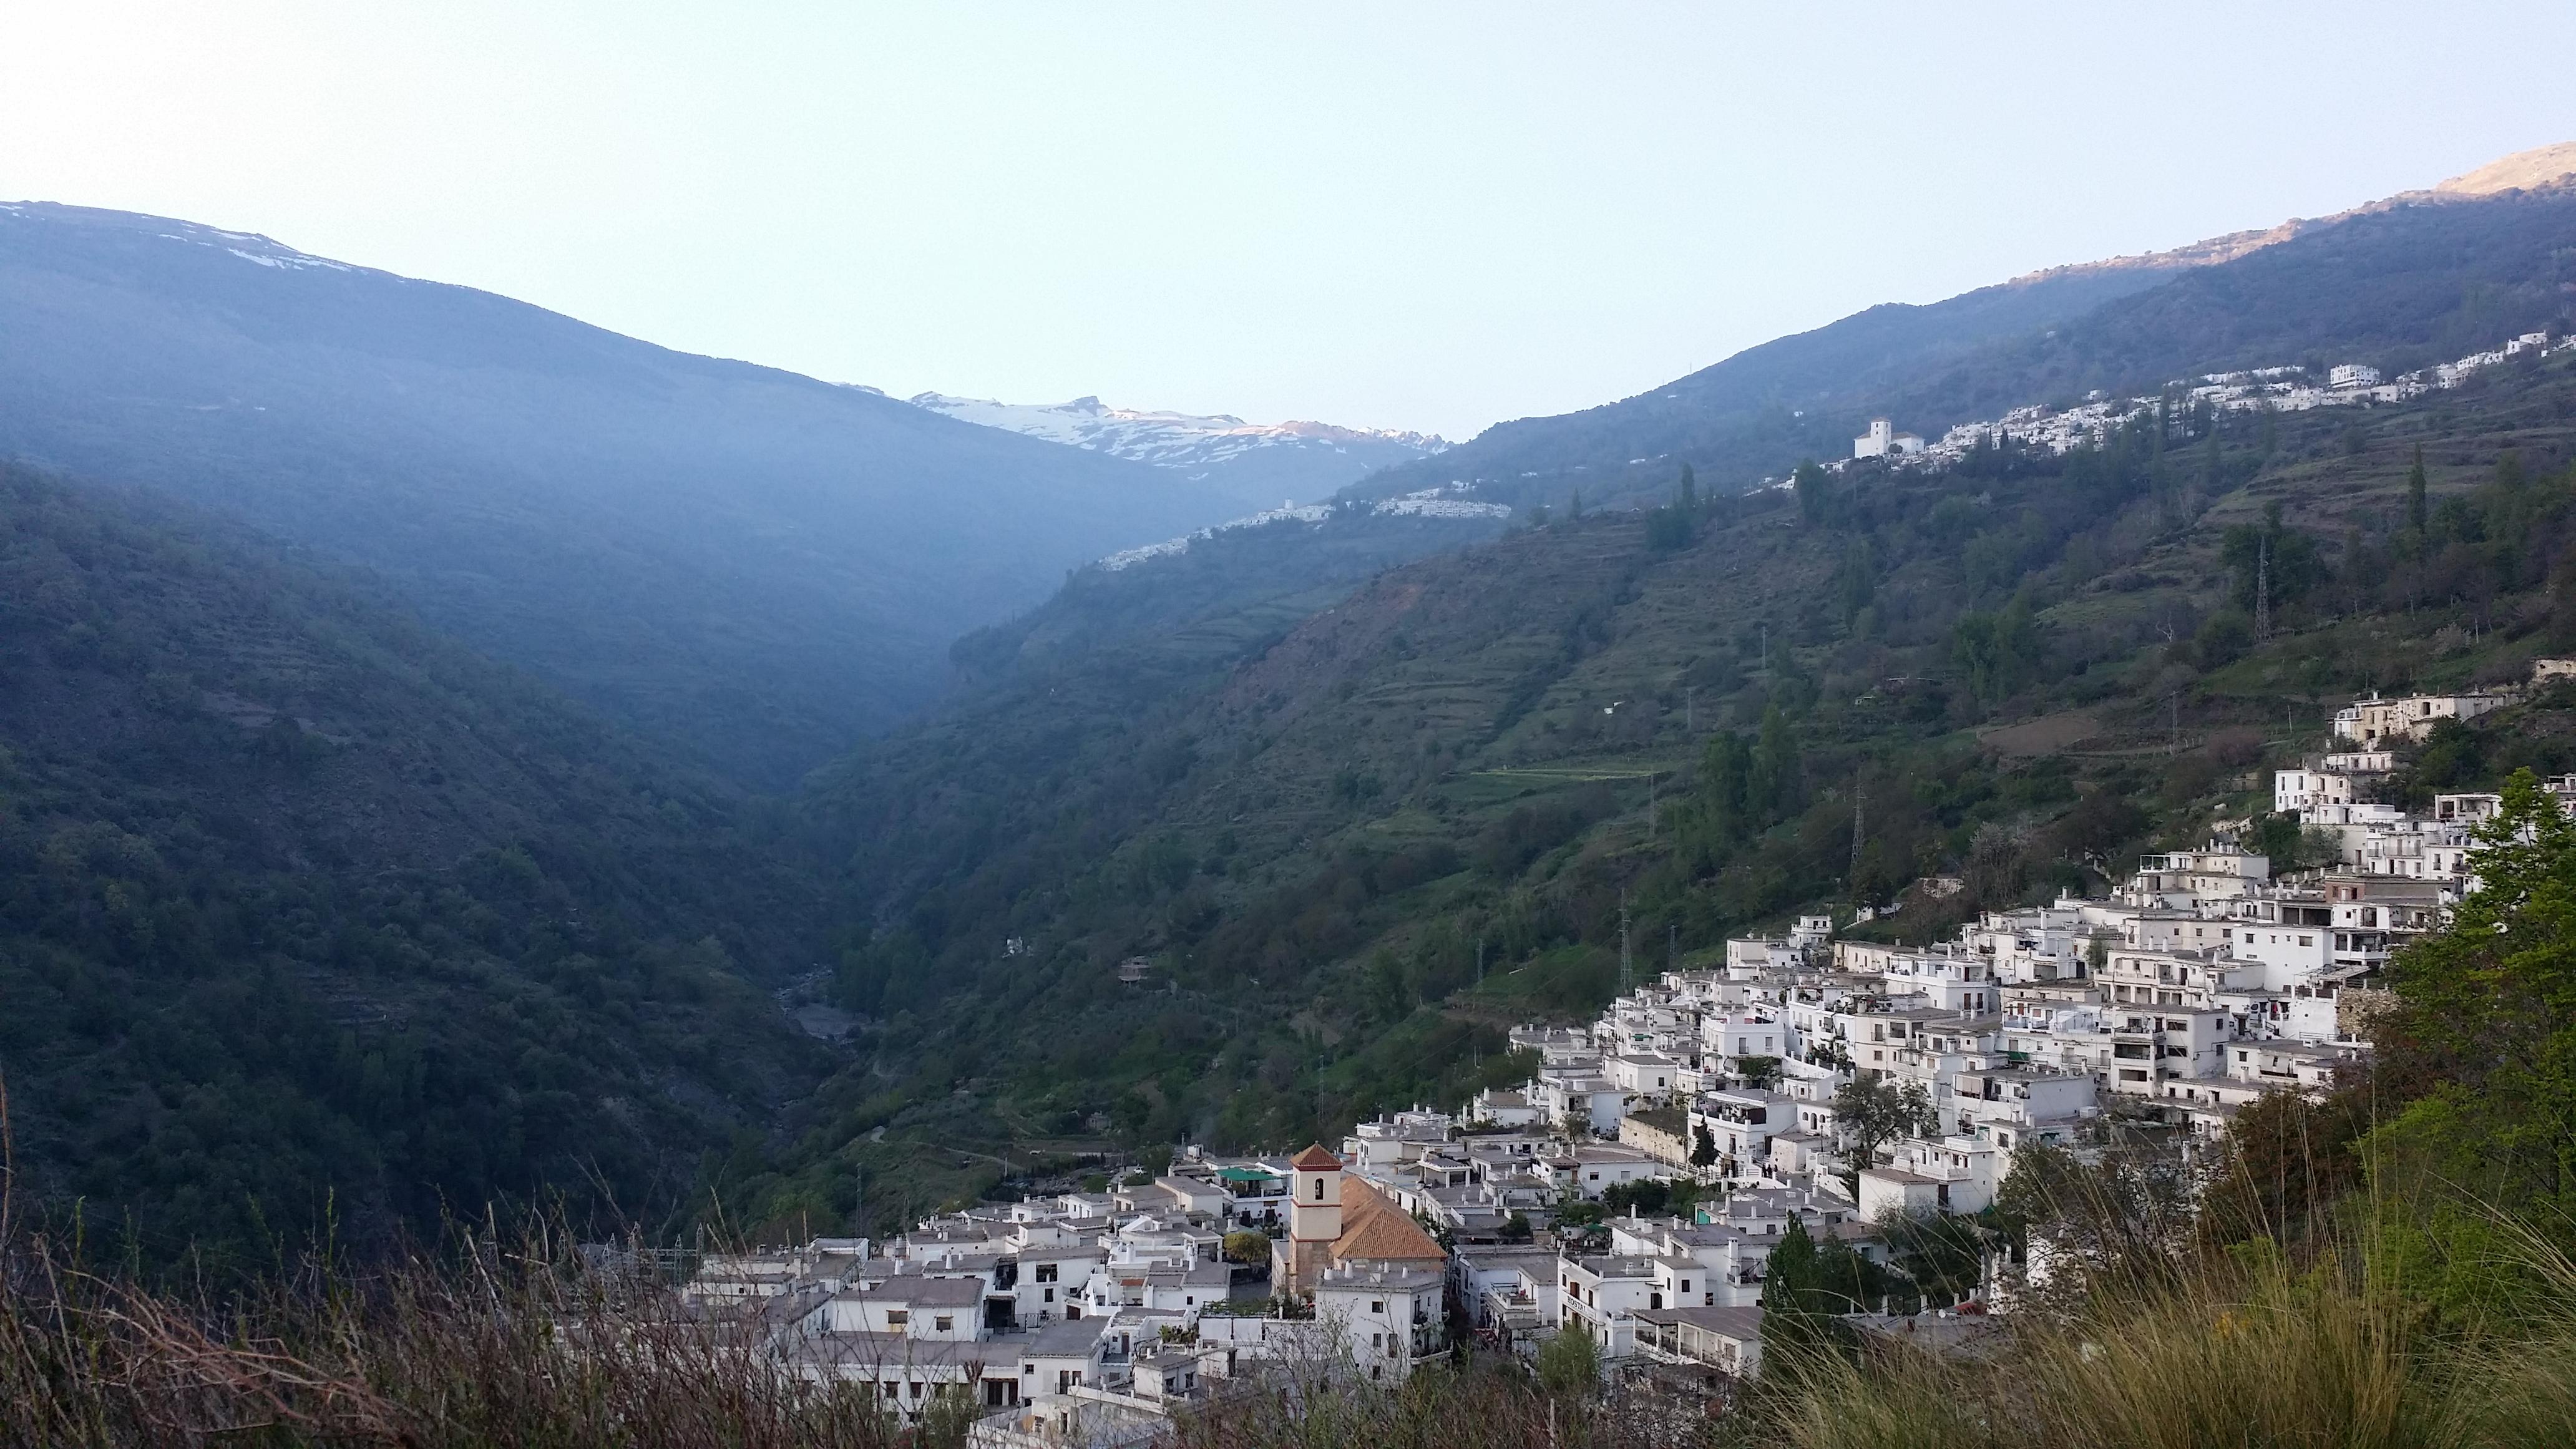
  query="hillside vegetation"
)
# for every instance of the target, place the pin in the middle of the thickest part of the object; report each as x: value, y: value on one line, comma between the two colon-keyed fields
x: 309, y: 916
x: 1355, y: 852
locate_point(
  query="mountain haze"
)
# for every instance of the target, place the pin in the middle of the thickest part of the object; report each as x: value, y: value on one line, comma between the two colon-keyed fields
x: 756, y: 564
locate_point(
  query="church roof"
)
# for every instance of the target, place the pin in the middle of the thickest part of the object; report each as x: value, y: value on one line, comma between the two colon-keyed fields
x: 1376, y: 1231
x: 1316, y: 1159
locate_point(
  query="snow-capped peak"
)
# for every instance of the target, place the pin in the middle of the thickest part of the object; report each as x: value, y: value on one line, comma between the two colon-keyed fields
x: 1173, y: 440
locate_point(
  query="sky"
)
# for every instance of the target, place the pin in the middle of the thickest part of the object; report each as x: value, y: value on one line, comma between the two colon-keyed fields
x: 1425, y: 216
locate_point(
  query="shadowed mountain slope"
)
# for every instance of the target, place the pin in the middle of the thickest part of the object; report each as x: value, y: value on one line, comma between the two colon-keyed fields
x: 753, y: 563
x: 303, y: 908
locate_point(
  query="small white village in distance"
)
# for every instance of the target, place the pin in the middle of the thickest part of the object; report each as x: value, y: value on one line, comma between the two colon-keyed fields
x: 2144, y: 1020
x: 2277, y: 389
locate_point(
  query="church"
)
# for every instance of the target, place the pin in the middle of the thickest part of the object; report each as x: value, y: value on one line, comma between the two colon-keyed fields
x: 1337, y: 1221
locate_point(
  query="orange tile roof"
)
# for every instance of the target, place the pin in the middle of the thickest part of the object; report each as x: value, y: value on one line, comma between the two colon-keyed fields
x: 1316, y: 1159
x: 1376, y: 1231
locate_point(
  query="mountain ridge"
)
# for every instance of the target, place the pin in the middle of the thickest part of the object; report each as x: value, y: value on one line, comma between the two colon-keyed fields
x: 1250, y: 461
x: 2041, y: 337
x: 752, y: 563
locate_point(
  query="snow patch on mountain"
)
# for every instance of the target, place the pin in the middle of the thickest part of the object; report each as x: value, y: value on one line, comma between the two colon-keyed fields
x: 1187, y: 441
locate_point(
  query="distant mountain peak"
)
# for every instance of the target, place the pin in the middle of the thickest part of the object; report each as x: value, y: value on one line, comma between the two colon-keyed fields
x: 2532, y: 170
x: 1199, y: 443
x: 250, y: 246
x: 2539, y: 169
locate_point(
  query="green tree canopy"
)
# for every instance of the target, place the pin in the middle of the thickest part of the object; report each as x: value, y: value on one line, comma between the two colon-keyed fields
x: 2487, y: 1014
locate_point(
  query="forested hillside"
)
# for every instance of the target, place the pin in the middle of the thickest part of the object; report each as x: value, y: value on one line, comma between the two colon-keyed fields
x: 1355, y: 855
x: 754, y: 565
x: 308, y: 915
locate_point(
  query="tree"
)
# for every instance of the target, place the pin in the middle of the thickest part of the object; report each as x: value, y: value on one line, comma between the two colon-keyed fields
x: 2271, y: 556
x: 1996, y: 651
x: 1247, y: 1247
x: 1726, y: 786
x: 1760, y: 1073
x: 1569, y: 1365
x: 1811, y: 481
x: 1516, y: 1228
x: 1771, y: 786
x: 2486, y: 1021
x: 1703, y: 1146
x: 1803, y: 1291
x: 2223, y: 639
x: 1668, y: 529
x: 1869, y: 1113
x: 1686, y: 496
x: 1856, y: 581
x: 2417, y: 514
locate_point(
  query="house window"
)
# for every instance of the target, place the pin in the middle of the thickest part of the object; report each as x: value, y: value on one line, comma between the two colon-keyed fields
x: 943, y: 1323
x: 1046, y: 1273
x: 1319, y: 1189
x: 897, y: 1317
x: 1377, y: 1305
x: 1050, y: 1295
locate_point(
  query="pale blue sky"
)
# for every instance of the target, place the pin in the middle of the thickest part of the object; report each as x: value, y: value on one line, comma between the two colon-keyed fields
x: 1431, y: 216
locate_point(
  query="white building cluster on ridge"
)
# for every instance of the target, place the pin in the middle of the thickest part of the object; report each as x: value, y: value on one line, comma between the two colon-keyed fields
x: 2283, y: 389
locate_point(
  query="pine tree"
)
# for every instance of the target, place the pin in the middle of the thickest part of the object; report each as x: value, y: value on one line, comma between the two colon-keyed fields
x: 1725, y: 783
x: 2417, y: 517
x: 1790, y: 1270
x: 1689, y: 492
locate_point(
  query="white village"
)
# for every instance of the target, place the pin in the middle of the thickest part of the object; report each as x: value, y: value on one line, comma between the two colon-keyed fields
x: 1810, y: 1088
x: 2286, y: 389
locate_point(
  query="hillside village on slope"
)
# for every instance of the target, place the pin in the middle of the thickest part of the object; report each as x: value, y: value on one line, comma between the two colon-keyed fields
x: 2278, y: 389
x: 2154, y: 1014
